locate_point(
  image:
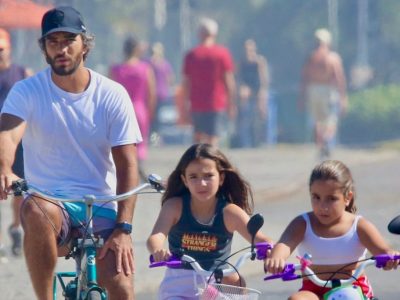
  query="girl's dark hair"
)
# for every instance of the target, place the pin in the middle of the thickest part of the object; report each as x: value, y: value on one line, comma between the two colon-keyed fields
x: 235, y: 189
x: 339, y: 172
x: 88, y: 42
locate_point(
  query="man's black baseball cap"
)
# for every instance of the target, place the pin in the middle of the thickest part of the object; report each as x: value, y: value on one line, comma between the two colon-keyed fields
x: 62, y: 18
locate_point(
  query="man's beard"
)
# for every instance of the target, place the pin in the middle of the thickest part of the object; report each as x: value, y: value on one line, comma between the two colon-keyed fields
x: 63, y: 71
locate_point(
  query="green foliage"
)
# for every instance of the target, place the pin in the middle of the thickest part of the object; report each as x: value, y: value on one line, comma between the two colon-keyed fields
x: 374, y: 115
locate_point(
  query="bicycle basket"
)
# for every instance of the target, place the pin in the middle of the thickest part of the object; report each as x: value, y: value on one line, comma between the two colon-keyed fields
x: 217, y: 291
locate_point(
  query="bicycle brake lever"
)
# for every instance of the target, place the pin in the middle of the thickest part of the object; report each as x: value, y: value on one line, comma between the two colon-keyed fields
x: 156, y: 182
x: 262, y: 250
x: 286, y: 275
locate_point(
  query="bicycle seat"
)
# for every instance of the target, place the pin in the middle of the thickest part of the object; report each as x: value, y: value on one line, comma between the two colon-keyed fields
x: 394, y: 225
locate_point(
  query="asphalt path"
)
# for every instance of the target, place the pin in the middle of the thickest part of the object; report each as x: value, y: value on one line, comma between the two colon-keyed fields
x: 279, y: 179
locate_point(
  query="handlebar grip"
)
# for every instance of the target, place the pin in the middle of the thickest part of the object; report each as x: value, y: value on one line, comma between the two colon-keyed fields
x: 172, y: 262
x: 382, y: 259
x: 19, y: 186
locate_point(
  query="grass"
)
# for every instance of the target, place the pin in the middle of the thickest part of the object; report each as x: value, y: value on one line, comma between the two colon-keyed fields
x: 390, y: 145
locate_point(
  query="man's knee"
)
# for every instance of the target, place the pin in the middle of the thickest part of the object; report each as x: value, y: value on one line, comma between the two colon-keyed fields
x: 34, y: 211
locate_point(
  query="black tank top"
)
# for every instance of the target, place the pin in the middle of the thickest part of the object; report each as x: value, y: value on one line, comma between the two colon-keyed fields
x: 7, y: 79
x: 249, y: 74
x: 208, y: 244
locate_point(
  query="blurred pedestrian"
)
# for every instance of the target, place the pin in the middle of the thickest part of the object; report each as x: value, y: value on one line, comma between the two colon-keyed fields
x: 9, y: 74
x: 137, y: 77
x: 165, y: 78
x: 323, y: 90
x: 253, y: 97
x: 209, y: 84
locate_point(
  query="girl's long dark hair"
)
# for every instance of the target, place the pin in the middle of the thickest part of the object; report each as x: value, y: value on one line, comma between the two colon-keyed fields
x: 339, y: 172
x: 234, y: 188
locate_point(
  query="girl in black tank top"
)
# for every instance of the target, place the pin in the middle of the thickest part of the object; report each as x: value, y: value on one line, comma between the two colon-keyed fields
x: 205, y: 201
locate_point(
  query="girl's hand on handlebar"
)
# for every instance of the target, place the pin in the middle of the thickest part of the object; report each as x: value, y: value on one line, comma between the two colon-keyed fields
x: 274, y: 265
x: 393, y: 263
x: 161, y: 255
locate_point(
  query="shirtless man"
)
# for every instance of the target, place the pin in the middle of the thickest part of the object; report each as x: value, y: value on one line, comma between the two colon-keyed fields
x: 323, y: 90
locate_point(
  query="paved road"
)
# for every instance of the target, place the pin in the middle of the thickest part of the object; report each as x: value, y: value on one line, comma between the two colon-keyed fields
x: 279, y: 178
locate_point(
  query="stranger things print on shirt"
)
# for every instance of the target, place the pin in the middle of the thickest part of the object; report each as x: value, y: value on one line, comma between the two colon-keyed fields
x: 201, y: 242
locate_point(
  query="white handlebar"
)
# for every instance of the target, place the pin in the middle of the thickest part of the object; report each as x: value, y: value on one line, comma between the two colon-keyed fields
x: 89, y: 198
x: 315, y: 279
x: 228, y: 271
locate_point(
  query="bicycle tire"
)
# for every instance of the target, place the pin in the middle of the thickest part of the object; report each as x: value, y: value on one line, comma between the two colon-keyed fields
x: 94, y: 295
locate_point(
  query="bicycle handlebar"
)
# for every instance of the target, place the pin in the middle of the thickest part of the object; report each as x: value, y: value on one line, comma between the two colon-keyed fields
x: 22, y: 186
x: 176, y: 262
x: 289, y: 271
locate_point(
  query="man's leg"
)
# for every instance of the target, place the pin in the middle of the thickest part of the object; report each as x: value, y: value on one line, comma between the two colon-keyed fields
x: 118, y: 285
x: 14, y: 229
x: 41, y: 221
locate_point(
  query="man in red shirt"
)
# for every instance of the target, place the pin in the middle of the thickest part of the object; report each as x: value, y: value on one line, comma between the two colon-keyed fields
x: 209, y: 84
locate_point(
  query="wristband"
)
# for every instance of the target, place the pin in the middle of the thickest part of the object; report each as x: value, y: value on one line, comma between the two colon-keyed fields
x: 124, y: 226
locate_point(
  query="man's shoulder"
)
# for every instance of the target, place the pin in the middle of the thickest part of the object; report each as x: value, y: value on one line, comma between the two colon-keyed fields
x: 334, y: 57
x: 104, y: 81
x: 215, y: 50
x: 37, y: 79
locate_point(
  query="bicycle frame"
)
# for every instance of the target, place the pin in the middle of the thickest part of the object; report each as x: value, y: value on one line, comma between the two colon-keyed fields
x: 84, y: 253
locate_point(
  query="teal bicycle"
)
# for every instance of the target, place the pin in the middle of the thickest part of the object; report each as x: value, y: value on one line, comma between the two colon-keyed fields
x: 82, y: 283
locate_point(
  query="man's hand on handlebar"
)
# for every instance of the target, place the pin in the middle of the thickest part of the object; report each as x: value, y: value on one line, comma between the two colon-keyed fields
x: 6, y: 180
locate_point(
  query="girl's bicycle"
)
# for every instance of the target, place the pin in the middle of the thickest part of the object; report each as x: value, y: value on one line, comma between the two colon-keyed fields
x: 342, y: 289
x: 210, y: 286
x: 83, y: 285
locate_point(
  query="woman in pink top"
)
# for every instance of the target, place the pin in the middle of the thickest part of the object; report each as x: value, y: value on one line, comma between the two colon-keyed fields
x: 138, y: 79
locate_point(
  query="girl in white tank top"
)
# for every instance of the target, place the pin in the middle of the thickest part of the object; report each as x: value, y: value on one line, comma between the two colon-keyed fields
x: 331, y: 232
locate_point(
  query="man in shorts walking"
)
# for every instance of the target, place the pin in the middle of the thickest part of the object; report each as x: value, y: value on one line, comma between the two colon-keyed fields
x: 323, y: 91
x: 79, y: 133
x: 209, y: 84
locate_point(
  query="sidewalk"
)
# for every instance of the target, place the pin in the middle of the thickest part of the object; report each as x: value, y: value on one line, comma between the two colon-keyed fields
x: 272, y: 173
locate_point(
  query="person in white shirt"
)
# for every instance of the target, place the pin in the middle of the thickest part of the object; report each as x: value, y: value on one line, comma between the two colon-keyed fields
x: 79, y: 132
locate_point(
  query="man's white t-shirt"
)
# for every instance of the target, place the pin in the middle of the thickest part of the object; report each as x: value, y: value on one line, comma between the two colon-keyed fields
x: 68, y: 139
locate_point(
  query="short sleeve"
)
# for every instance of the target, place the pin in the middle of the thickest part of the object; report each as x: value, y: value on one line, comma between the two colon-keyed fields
x: 123, y: 127
x: 227, y: 60
x: 17, y: 102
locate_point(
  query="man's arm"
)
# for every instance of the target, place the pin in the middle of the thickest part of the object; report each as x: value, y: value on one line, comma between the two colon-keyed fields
x: 340, y: 80
x: 125, y: 159
x: 120, y: 242
x: 262, y: 95
x: 230, y: 85
x: 184, y: 100
x: 152, y: 97
x: 11, y: 131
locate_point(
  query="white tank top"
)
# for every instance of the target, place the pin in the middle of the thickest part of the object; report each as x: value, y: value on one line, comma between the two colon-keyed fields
x: 343, y: 249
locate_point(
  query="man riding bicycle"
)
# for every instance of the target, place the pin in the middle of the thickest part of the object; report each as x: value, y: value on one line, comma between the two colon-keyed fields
x: 79, y: 133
